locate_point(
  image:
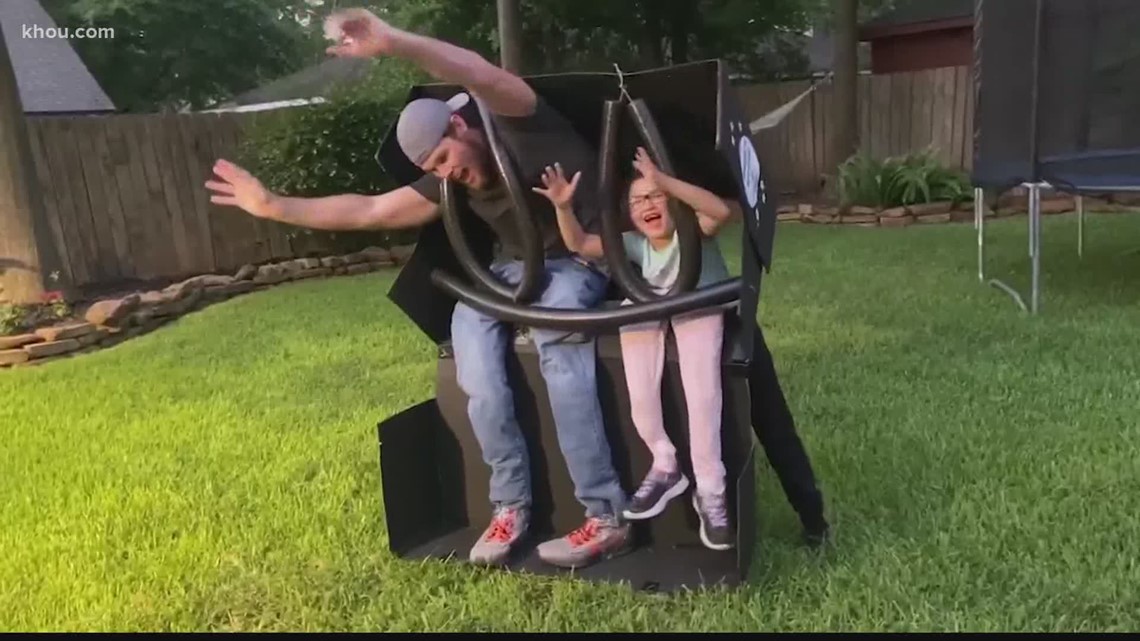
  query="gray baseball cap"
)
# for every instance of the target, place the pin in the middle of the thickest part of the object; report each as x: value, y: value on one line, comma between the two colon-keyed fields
x: 423, y: 122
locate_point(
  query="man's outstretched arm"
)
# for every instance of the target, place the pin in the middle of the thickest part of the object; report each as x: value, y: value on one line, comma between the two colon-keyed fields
x: 401, y: 208
x: 359, y: 33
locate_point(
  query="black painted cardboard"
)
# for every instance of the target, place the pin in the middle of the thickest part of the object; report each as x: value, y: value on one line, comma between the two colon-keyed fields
x: 434, y: 480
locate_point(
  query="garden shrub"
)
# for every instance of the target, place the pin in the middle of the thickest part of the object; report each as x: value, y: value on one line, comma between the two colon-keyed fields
x: 906, y: 180
x: 330, y: 148
x: 17, y: 319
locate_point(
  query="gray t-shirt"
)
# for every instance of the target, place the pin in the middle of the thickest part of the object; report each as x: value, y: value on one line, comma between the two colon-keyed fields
x: 544, y: 138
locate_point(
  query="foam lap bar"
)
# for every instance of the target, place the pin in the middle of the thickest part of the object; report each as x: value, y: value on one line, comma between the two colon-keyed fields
x: 634, y: 286
x: 688, y: 229
x: 527, y: 288
x: 464, y: 254
x: 589, y: 320
x: 532, y: 249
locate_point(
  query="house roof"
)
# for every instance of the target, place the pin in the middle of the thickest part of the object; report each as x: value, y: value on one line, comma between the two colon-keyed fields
x: 311, y: 82
x: 49, y: 73
x: 916, y: 16
x: 820, y: 50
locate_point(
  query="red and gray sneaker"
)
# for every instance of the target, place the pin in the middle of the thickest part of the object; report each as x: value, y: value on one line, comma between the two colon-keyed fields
x: 601, y: 537
x: 494, y: 546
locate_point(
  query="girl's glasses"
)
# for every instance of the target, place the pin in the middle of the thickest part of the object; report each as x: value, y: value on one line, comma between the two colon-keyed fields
x: 637, y: 202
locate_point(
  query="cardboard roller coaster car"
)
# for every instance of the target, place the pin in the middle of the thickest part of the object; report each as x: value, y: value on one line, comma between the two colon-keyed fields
x: 435, y: 482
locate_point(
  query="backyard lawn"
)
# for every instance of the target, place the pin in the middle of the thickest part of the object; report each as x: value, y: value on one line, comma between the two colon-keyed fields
x: 981, y: 467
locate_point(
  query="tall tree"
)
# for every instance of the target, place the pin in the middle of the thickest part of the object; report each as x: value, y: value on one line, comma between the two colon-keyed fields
x: 21, y: 274
x: 510, y: 36
x: 846, y: 104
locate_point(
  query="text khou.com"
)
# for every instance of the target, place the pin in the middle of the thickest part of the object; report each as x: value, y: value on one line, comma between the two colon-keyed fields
x: 37, y: 31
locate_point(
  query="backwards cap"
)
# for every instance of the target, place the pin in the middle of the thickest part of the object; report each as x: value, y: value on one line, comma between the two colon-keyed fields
x: 423, y: 123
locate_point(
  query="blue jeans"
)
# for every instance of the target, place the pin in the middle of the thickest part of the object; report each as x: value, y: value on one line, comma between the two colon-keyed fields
x: 567, y: 361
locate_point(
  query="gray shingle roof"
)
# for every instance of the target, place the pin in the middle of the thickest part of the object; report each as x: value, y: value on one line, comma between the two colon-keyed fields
x: 913, y: 11
x: 310, y: 82
x: 50, y: 74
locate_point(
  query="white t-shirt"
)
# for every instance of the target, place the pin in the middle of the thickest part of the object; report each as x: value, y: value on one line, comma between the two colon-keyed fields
x: 660, y: 267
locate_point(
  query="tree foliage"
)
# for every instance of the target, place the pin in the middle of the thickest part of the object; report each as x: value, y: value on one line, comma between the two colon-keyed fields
x: 822, y: 11
x: 635, y: 34
x: 171, y: 55
x: 331, y: 148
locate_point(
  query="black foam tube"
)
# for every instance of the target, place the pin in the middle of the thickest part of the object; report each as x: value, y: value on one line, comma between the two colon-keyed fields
x: 463, y: 253
x: 689, y: 234
x: 593, y: 320
x: 630, y: 282
x: 532, y: 249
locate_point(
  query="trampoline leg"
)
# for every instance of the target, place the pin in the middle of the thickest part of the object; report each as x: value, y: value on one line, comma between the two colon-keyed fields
x: 1035, y: 243
x: 979, y: 224
x: 1080, y: 226
x: 1012, y: 293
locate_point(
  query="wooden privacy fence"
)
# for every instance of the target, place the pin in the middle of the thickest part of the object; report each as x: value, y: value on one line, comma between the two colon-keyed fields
x: 125, y: 199
x: 898, y: 113
x: 124, y: 196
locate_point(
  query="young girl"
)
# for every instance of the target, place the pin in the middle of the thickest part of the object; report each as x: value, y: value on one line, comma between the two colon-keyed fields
x: 654, y: 247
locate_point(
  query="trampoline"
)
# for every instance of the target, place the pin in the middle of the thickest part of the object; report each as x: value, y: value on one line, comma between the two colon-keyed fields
x: 1057, y: 106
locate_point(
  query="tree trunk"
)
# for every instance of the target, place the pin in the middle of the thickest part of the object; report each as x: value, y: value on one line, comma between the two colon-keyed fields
x: 846, y: 67
x: 510, y: 36
x: 21, y: 276
x: 651, y: 9
x: 681, y: 24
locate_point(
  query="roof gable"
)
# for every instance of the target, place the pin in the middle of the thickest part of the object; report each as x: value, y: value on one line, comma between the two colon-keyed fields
x: 49, y: 73
x: 915, y: 16
x: 311, y: 82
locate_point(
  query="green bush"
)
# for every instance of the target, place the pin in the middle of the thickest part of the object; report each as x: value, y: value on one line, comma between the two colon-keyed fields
x: 17, y: 319
x: 330, y: 148
x: 906, y: 180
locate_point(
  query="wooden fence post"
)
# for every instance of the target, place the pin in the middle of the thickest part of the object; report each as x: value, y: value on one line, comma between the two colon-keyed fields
x: 21, y: 210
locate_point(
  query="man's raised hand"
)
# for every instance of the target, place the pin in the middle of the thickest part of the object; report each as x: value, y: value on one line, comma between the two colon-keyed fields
x: 239, y: 188
x: 358, y: 33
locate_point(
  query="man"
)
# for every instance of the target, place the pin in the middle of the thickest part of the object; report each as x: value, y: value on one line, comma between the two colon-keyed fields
x: 775, y: 428
x: 444, y: 145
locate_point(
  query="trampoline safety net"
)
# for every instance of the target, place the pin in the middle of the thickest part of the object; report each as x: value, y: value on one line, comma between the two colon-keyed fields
x: 1057, y: 90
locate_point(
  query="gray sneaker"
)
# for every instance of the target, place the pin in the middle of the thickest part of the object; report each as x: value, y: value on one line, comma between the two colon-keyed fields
x: 494, y: 546
x: 716, y: 530
x: 599, y: 538
x: 654, y: 494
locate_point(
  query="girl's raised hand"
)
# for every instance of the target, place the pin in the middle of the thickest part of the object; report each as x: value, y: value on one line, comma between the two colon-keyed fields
x: 558, y: 190
x: 645, y: 166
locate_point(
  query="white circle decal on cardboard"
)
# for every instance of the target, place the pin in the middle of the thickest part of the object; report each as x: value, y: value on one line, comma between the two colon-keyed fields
x: 749, y: 170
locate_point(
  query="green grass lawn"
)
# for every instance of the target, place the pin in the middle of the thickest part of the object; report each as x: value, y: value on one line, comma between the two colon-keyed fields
x: 980, y: 466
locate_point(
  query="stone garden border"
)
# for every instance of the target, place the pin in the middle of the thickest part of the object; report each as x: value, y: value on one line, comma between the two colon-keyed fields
x: 111, y: 321
x: 946, y: 212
